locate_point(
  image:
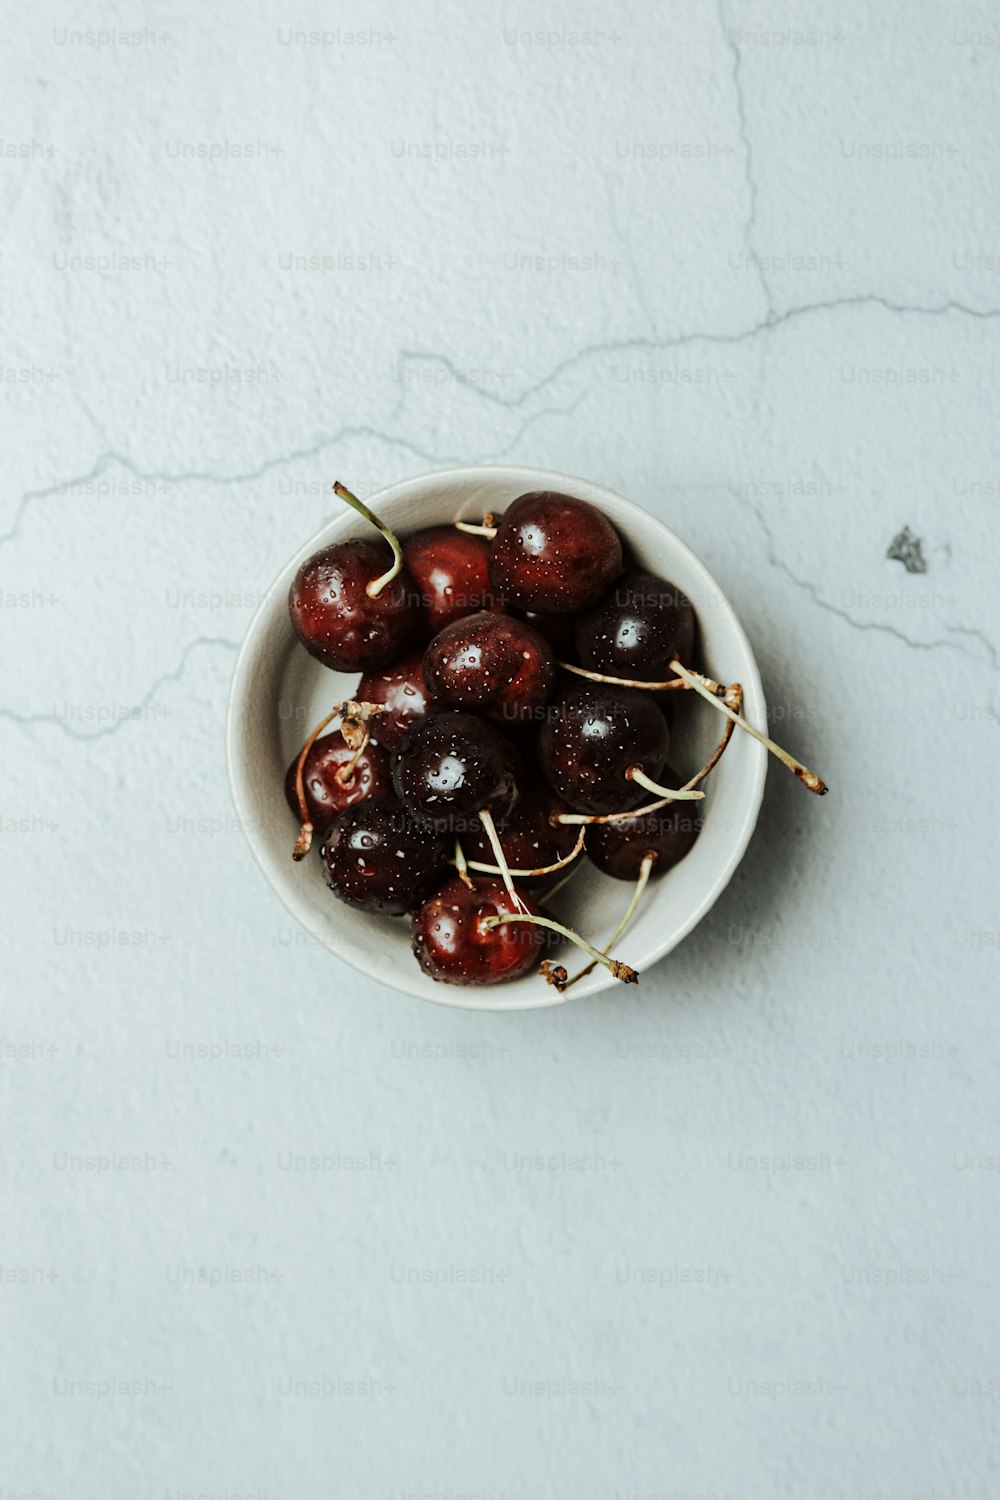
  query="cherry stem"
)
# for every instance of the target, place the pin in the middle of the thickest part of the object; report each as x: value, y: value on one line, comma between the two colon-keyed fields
x: 808, y: 778
x: 734, y: 698
x: 357, y: 714
x: 618, y: 969
x: 487, y: 529
x: 682, y: 794
x: 376, y: 586
x: 560, y: 864
x: 303, y: 842
x: 486, y: 818
x: 633, y: 682
x: 462, y: 866
x: 346, y: 773
x: 645, y: 870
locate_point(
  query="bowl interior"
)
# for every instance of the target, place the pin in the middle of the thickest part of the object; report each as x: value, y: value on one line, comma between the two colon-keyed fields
x: 279, y: 692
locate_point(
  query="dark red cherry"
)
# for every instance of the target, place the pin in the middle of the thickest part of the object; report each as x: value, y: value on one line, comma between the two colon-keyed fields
x: 592, y: 736
x: 620, y: 848
x: 404, y: 694
x: 492, y: 663
x: 327, y: 793
x: 378, y: 858
x: 338, y: 621
x: 453, y: 945
x: 554, y: 553
x: 641, y: 625
x: 451, y: 766
x: 530, y: 838
x: 449, y: 568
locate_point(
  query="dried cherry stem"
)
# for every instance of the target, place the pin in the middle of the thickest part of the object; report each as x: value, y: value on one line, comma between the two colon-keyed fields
x: 487, y: 529
x: 617, y: 968
x: 376, y: 586
x: 682, y: 794
x: 486, y: 818
x: 354, y: 727
x: 462, y: 866
x: 346, y: 773
x: 560, y: 864
x: 634, y: 682
x: 303, y: 842
x: 645, y: 870
x: 734, y: 699
x: 808, y: 778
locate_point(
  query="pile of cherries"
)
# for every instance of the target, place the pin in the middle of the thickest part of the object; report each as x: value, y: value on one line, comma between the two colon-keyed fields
x: 512, y: 717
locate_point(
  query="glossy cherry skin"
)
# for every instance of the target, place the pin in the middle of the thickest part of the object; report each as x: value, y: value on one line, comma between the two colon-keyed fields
x: 404, y: 695
x: 452, y: 765
x: 528, y: 836
x: 326, y: 794
x: 554, y: 553
x: 592, y: 737
x: 620, y: 848
x: 452, y: 945
x: 641, y: 625
x: 337, y: 620
x: 491, y: 663
x: 450, y: 570
x: 378, y: 858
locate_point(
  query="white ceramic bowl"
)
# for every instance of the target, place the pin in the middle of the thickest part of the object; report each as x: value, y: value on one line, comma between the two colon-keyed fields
x: 279, y: 691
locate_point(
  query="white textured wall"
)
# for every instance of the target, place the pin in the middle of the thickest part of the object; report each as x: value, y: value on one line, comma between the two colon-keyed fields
x: 680, y: 265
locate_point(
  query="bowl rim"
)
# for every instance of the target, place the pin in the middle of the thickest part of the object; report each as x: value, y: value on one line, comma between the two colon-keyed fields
x: 458, y: 997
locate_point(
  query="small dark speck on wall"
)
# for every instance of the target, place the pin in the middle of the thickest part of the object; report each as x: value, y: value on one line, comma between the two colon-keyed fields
x: 906, y: 548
